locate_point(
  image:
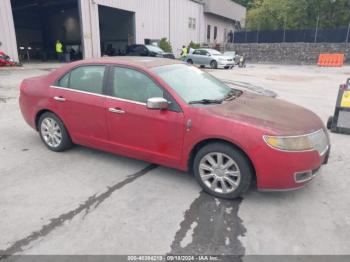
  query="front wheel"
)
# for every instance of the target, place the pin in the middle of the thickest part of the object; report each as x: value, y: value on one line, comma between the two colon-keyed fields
x: 222, y: 170
x: 213, y: 64
x: 53, y: 133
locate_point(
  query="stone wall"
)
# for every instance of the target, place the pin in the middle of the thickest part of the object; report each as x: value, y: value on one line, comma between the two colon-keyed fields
x: 288, y: 53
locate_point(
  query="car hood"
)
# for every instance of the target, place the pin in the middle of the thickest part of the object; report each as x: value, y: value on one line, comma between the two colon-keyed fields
x: 223, y: 57
x: 278, y: 116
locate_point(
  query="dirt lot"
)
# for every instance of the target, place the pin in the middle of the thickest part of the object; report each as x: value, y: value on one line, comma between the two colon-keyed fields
x: 88, y: 202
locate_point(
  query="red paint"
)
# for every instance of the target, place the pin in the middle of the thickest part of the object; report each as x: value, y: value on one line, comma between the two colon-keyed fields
x: 163, y: 137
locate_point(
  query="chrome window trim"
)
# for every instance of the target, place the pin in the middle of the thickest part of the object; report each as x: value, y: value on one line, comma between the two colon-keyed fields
x: 99, y: 95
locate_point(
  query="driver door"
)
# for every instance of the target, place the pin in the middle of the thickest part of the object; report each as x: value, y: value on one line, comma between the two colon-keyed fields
x: 136, y: 131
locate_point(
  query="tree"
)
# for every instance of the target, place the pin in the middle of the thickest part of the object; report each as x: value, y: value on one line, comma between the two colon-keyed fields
x: 165, y: 45
x: 246, y: 3
x: 297, y: 14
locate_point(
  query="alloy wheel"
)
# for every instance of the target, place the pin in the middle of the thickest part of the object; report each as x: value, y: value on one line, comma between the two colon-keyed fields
x: 219, y: 172
x: 51, y: 132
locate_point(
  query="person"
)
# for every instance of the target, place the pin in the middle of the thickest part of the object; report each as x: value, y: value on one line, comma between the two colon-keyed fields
x: 184, y: 52
x: 59, y: 50
x: 230, y: 37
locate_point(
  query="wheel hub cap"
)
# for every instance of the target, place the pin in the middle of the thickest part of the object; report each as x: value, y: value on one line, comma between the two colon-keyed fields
x: 51, y: 132
x: 219, y: 172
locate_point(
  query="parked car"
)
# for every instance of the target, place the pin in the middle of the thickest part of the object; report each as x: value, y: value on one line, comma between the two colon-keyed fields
x: 148, y: 50
x: 210, y: 57
x: 173, y: 114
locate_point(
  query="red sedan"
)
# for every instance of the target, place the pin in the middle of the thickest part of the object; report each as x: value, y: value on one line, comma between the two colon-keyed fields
x: 170, y: 113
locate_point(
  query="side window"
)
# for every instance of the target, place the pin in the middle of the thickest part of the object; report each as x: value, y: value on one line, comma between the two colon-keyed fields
x: 64, y: 81
x: 135, y: 86
x: 87, y: 79
x: 197, y: 52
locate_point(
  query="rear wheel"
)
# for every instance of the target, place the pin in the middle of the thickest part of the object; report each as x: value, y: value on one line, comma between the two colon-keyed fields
x: 213, y: 64
x: 53, y: 133
x: 190, y: 61
x: 222, y: 170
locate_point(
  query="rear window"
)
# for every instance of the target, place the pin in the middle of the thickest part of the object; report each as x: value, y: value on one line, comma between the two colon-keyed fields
x: 84, y: 78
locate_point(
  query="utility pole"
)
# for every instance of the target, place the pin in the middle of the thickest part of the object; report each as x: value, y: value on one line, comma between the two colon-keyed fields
x: 284, y: 30
x: 318, y: 20
x: 347, y: 34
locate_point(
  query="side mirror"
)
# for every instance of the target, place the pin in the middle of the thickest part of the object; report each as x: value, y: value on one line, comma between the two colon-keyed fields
x: 159, y: 103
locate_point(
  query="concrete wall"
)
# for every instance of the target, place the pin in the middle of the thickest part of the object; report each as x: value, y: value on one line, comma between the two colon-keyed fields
x: 289, y: 53
x: 7, y: 30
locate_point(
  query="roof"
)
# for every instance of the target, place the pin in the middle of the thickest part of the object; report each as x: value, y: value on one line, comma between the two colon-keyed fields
x: 147, y: 62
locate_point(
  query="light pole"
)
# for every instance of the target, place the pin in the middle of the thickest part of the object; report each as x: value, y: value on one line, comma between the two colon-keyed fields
x: 318, y: 20
x: 347, y: 34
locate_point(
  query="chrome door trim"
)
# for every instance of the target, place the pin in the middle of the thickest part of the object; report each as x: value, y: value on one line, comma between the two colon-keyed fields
x: 99, y: 95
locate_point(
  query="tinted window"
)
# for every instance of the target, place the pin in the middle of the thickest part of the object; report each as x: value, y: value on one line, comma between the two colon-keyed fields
x: 191, y: 83
x: 64, y: 81
x: 135, y: 86
x: 87, y: 79
x: 197, y: 52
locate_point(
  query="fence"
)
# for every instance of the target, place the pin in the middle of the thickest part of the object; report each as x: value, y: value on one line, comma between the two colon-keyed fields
x: 339, y: 35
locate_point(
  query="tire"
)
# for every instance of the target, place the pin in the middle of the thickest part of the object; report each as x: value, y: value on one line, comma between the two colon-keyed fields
x: 189, y: 61
x: 238, y: 181
x: 53, y: 133
x: 213, y: 64
x: 329, y: 123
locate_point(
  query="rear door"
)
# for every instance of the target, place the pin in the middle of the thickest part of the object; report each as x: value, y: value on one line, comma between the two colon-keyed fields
x: 196, y: 57
x: 79, y: 100
x: 136, y: 131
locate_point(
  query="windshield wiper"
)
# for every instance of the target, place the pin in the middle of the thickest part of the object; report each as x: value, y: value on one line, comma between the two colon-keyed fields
x: 231, y: 95
x: 206, y: 101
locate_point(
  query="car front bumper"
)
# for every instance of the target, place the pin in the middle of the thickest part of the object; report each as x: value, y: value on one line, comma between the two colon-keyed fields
x: 226, y: 64
x: 284, y: 171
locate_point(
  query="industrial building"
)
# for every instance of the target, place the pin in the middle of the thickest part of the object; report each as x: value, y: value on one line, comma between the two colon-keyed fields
x: 30, y: 28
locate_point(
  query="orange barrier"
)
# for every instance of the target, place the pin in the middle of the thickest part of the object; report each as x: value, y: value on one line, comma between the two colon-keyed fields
x: 331, y: 60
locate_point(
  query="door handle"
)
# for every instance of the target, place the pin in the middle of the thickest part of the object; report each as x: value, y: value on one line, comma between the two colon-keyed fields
x: 59, y: 98
x: 116, y: 110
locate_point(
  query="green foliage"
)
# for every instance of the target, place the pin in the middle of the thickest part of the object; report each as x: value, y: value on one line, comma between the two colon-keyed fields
x: 297, y: 14
x: 246, y: 3
x: 194, y: 45
x: 165, y: 45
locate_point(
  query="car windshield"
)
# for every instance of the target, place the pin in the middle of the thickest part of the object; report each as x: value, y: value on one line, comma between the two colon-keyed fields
x: 192, y: 84
x: 155, y: 49
x: 214, y: 52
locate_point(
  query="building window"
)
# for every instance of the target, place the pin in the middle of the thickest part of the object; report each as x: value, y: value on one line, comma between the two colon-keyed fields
x: 215, y: 32
x: 192, y: 23
x: 208, y: 32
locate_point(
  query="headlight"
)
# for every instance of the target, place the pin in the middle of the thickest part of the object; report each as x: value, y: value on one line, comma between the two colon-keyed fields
x: 316, y: 141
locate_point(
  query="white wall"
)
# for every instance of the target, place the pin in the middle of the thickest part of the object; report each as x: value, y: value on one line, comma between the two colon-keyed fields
x: 7, y: 30
x: 222, y: 24
x: 151, y: 21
